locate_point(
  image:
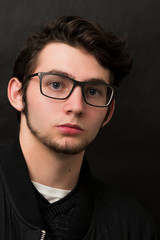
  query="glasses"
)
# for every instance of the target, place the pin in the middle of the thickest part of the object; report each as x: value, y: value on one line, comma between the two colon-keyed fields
x: 60, y: 87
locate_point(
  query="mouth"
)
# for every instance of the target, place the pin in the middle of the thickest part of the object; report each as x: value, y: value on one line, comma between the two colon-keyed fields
x: 70, y: 129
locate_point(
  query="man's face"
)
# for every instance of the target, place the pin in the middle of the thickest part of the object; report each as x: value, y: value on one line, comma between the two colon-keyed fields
x: 70, y: 125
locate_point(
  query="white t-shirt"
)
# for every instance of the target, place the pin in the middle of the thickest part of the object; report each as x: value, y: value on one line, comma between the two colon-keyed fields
x: 51, y: 194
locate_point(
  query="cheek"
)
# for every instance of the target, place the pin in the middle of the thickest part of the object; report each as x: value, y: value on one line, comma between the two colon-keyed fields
x: 101, y: 116
x: 43, y: 111
x: 98, y: 119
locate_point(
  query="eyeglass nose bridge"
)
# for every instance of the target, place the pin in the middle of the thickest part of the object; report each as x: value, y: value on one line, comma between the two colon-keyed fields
x: 81, y: 85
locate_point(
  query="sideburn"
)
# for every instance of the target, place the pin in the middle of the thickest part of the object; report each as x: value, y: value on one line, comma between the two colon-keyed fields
x: 107, y: 114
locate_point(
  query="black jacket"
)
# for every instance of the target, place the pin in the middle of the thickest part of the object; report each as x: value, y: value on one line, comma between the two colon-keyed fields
x: 115, y: 216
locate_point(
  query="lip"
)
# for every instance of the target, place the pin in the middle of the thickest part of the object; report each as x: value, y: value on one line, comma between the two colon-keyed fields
x: 70, y: 129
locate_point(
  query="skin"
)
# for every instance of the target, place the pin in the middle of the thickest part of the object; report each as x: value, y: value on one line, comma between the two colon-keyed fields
x: 55, y: 133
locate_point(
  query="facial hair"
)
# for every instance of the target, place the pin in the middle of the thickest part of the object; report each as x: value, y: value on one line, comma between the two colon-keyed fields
x: 50, y: 142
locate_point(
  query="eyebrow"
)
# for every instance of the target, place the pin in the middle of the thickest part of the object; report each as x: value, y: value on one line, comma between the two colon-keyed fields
x: 89, y: 80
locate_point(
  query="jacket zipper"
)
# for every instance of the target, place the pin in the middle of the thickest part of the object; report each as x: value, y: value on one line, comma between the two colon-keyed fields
x: 43, y: 235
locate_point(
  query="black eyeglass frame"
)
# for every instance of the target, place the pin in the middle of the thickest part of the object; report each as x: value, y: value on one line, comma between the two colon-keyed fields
x: 75, y: 83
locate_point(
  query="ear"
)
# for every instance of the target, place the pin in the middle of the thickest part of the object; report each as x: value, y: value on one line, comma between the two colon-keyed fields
x: 110, y: 113
x: 14, y: 94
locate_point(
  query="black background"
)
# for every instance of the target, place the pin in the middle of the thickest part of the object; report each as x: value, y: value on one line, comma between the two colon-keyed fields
x: 126, y: 152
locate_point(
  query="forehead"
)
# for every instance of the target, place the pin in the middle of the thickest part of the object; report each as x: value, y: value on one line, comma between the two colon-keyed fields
x: 74, y: 61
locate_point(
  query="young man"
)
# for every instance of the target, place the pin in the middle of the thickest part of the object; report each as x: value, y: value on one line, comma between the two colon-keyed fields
x: 63, y: 89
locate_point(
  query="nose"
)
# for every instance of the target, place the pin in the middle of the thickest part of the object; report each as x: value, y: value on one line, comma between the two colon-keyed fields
x: 75, y: 103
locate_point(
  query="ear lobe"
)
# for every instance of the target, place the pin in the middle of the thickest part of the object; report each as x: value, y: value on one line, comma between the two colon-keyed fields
x: 111, y: 111
x: 14, y: 94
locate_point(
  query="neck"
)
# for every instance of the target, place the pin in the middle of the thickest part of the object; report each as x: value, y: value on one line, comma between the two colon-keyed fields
x: 47, y: 167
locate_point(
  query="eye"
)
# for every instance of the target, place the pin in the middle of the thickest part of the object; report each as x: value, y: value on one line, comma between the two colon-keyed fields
x: 56, y: 85
x: 93, y: 91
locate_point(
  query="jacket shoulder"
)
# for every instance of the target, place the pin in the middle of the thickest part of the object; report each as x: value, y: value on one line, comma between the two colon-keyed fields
x: 115, y: 197
x: 116, y: 204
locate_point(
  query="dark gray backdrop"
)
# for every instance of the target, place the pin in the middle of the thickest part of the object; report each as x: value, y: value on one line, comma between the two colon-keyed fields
x: 126, y: 152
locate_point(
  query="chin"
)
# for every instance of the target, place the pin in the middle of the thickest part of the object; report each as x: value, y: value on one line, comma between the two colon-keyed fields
x: 67, y: 147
